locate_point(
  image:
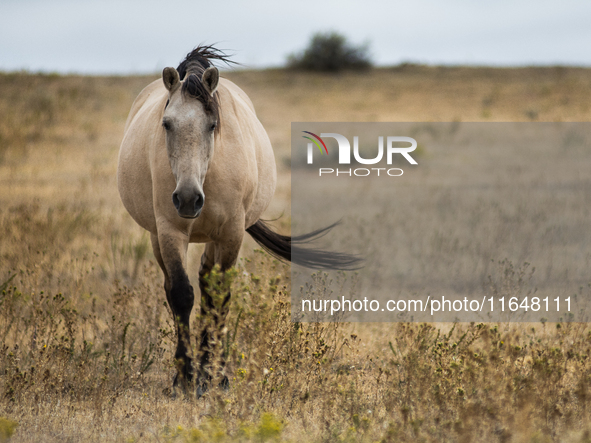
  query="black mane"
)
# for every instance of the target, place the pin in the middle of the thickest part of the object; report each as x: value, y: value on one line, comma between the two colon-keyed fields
x: 191, y: 70
x: 198, y: 60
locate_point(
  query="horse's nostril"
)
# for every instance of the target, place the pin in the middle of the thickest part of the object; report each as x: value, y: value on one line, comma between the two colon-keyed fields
x: 176, y: 201
x: 199, y: 200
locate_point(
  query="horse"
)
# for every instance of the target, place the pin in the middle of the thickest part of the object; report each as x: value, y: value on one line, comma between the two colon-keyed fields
x: 196, y: 166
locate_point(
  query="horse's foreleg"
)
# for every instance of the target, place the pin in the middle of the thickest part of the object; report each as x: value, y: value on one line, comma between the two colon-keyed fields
x: 214, y: 317
x: 207, y: 311
x: 170, y: 252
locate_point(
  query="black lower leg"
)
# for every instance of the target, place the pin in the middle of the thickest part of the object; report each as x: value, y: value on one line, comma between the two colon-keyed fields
x: 205, y: 340
x: 181, y: 298
x: 213, y: 320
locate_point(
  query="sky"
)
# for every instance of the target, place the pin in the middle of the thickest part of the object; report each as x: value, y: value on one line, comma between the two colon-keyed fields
x: 133, y: 36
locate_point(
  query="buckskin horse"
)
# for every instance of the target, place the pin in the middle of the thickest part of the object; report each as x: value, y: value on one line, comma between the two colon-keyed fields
x: 196, y: 166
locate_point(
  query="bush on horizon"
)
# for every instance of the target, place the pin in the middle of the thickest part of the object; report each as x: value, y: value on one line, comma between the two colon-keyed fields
x: 330, y: 52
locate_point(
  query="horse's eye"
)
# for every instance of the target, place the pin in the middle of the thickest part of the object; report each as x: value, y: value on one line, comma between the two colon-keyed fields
x: 212, y: 127
x: 166, y: 125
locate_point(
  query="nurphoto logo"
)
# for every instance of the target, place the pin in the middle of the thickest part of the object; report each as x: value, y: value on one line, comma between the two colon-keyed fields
x: 393, y: 146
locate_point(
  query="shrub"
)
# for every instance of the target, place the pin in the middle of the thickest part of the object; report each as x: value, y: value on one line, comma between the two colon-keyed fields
x: 330, y: 52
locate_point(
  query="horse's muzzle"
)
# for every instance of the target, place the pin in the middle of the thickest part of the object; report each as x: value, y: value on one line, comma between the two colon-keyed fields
x: 188, y: 203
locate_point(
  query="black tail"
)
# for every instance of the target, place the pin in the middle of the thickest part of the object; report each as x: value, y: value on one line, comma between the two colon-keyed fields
x: 282, y: 247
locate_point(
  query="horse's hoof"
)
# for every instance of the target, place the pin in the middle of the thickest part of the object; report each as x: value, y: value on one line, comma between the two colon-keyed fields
x: 203, y: 385
x: 181, y: 386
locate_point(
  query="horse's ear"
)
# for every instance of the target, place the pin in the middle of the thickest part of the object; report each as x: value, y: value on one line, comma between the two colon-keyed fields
x: 210, y: 79
x: 171, y: 79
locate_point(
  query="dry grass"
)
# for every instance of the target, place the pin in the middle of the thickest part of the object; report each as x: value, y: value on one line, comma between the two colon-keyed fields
x: 86, y: 340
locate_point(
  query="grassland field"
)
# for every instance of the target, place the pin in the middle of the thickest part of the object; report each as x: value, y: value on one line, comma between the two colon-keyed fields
x: 86, y: 340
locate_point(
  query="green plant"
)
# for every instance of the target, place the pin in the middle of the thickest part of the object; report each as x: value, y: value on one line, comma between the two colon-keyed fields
x: 7, y: 428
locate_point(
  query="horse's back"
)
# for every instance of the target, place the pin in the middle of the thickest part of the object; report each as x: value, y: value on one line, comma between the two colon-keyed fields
x: 237, y: 93
x: 257, y: 146
x: 152, y: 91
x: 134, y: 175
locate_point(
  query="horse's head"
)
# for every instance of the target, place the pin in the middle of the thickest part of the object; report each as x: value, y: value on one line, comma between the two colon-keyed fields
x: 190, y: 121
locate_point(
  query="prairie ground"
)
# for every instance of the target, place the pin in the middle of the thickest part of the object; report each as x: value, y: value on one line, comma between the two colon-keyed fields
x: 86, y: 340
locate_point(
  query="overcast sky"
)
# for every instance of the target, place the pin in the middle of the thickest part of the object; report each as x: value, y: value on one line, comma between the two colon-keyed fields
x: 120, y: 36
